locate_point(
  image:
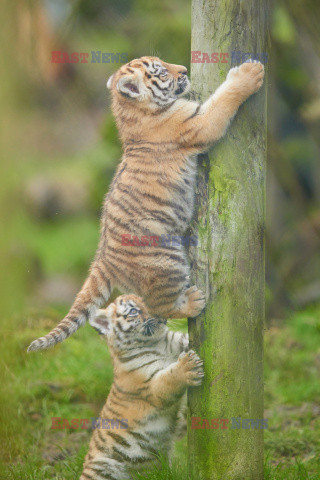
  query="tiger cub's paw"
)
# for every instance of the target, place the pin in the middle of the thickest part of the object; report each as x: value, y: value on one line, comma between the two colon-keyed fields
x: 191, y: 367
x: 249, y: 74
x: 194, y: 302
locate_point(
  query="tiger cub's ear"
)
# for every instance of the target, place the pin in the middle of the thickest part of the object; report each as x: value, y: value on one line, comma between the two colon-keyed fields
x: 129, y: 86
x: 101, y: 323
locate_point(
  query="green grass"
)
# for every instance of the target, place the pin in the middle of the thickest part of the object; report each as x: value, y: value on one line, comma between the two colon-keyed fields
x: 72, y: 381
x: 292, y: 397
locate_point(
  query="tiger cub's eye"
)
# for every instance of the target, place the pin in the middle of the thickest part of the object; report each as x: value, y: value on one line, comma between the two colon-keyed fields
x: 133, y: 312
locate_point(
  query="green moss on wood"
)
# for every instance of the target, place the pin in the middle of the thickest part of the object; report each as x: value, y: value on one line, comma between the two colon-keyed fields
x: 228, y: 263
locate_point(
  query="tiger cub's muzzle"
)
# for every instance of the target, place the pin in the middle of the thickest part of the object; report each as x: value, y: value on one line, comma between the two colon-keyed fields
x: 151, y: 325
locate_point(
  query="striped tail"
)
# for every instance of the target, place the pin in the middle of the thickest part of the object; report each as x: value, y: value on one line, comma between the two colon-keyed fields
x: 94, y: 293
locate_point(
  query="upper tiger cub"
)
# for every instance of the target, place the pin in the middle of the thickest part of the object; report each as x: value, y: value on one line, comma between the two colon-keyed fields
x: 152, y: 369
x: 152, y: 192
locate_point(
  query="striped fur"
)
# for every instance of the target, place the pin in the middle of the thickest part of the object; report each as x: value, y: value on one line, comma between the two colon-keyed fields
x: 152, y: 192
x: 152, y: 369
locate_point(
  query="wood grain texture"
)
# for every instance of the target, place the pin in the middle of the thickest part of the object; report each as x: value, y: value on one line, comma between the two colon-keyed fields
x: 228, y: 263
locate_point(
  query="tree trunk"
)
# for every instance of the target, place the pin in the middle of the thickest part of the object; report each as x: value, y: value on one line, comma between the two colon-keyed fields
x: 228, y: 262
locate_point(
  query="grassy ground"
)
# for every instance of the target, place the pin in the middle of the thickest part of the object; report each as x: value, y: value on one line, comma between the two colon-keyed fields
x: 72, y: 381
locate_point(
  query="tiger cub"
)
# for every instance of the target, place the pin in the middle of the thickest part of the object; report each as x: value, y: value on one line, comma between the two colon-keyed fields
x: 152, y: 369
x: 152, y: 193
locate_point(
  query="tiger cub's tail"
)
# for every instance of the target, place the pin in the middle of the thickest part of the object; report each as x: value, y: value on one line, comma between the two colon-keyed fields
x: 94, y: 293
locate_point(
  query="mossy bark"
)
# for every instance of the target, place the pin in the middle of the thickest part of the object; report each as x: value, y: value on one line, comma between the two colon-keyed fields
x: 228, y: 262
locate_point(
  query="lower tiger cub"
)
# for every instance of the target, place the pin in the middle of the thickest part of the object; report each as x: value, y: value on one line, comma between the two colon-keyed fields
x: 152, y: 370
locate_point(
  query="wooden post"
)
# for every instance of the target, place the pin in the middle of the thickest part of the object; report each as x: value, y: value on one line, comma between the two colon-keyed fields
x: 228, y: 262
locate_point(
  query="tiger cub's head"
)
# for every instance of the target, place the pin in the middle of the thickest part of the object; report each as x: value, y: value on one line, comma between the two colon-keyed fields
x: 151, y: 81
x: 127, y: 323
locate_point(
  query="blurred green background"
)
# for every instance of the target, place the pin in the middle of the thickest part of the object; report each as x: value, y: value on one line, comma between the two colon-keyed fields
x: 59, y: 149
